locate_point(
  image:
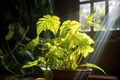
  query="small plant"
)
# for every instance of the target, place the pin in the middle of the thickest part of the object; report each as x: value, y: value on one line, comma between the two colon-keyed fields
x: 10, y: 58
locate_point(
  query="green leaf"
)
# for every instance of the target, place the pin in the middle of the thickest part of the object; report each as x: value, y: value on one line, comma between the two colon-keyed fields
x: 86, y: 51
x: 64, y: 28
x: 90, y: 18
x: 40, y: 60
x: 93, y: 66
x: 9, y: 35
x: 48, y: 23
x: 30, y: 46
x: 95, y: 25
x: 69, y: 26
x: 11, y: 31
x: 30, y: 64
x: 87, y: 38
x: 59, y: 53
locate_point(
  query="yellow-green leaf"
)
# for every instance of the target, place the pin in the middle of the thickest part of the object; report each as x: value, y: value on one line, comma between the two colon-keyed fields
x: 48, y: 22
x: 93, y: 66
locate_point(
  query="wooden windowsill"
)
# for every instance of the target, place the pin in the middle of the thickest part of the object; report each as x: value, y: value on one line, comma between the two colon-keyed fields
x: 101, y: 77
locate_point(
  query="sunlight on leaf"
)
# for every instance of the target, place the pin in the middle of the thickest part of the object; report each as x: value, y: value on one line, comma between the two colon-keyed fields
x: 91, y: 17
x: 87, y: 51
x: 89, y: 39
x: 95, y: 25
x: 93, y: 66
x: 48, y: 23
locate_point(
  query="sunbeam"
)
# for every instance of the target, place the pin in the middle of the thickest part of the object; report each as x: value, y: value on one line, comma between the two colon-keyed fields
x: 101, y: 37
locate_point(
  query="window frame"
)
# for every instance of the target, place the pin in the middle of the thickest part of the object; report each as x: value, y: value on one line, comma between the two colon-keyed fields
x: 91, y: 2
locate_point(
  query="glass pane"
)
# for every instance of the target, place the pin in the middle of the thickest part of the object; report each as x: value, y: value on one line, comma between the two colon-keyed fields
x: 100, y: 12
x: 114, y: 14
x: 83, y: 0
x: 84, y: 8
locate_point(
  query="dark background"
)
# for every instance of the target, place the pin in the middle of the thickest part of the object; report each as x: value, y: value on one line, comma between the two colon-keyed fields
x: 27, y: 12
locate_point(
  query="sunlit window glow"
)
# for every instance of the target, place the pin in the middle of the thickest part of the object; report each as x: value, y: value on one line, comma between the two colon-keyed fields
x: 114, y: 7
x: 100, y: 16
x: 85, y: 8
x: 100, y: 13
x: 101, y: 37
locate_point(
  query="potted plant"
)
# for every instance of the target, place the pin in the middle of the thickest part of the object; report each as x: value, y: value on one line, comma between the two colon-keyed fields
x: 65, y: 49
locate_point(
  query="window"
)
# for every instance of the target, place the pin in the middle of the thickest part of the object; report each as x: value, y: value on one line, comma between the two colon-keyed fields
x: 107, y: 12
x: 85, y: 8
x: 114, y: 13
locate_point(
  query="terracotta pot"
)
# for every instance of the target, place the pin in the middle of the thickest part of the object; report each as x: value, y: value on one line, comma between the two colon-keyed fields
x: 39, y: 79
x: 80, y: 74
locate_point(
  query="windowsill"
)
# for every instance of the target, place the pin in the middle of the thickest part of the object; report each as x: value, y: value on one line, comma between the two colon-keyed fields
x: 101, y: 77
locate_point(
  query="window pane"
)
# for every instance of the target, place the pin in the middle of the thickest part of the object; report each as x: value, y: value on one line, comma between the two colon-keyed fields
x: 114, y: 14
x: 100, y: 12
x: 84, y: 8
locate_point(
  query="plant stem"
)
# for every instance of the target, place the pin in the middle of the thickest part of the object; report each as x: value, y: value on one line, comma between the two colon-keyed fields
x: 20, y: 40
x: 79, y: 59
x: 10, y: 70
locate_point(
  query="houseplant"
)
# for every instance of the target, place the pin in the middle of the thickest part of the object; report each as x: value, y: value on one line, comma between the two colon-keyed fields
x: 65, y: 47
